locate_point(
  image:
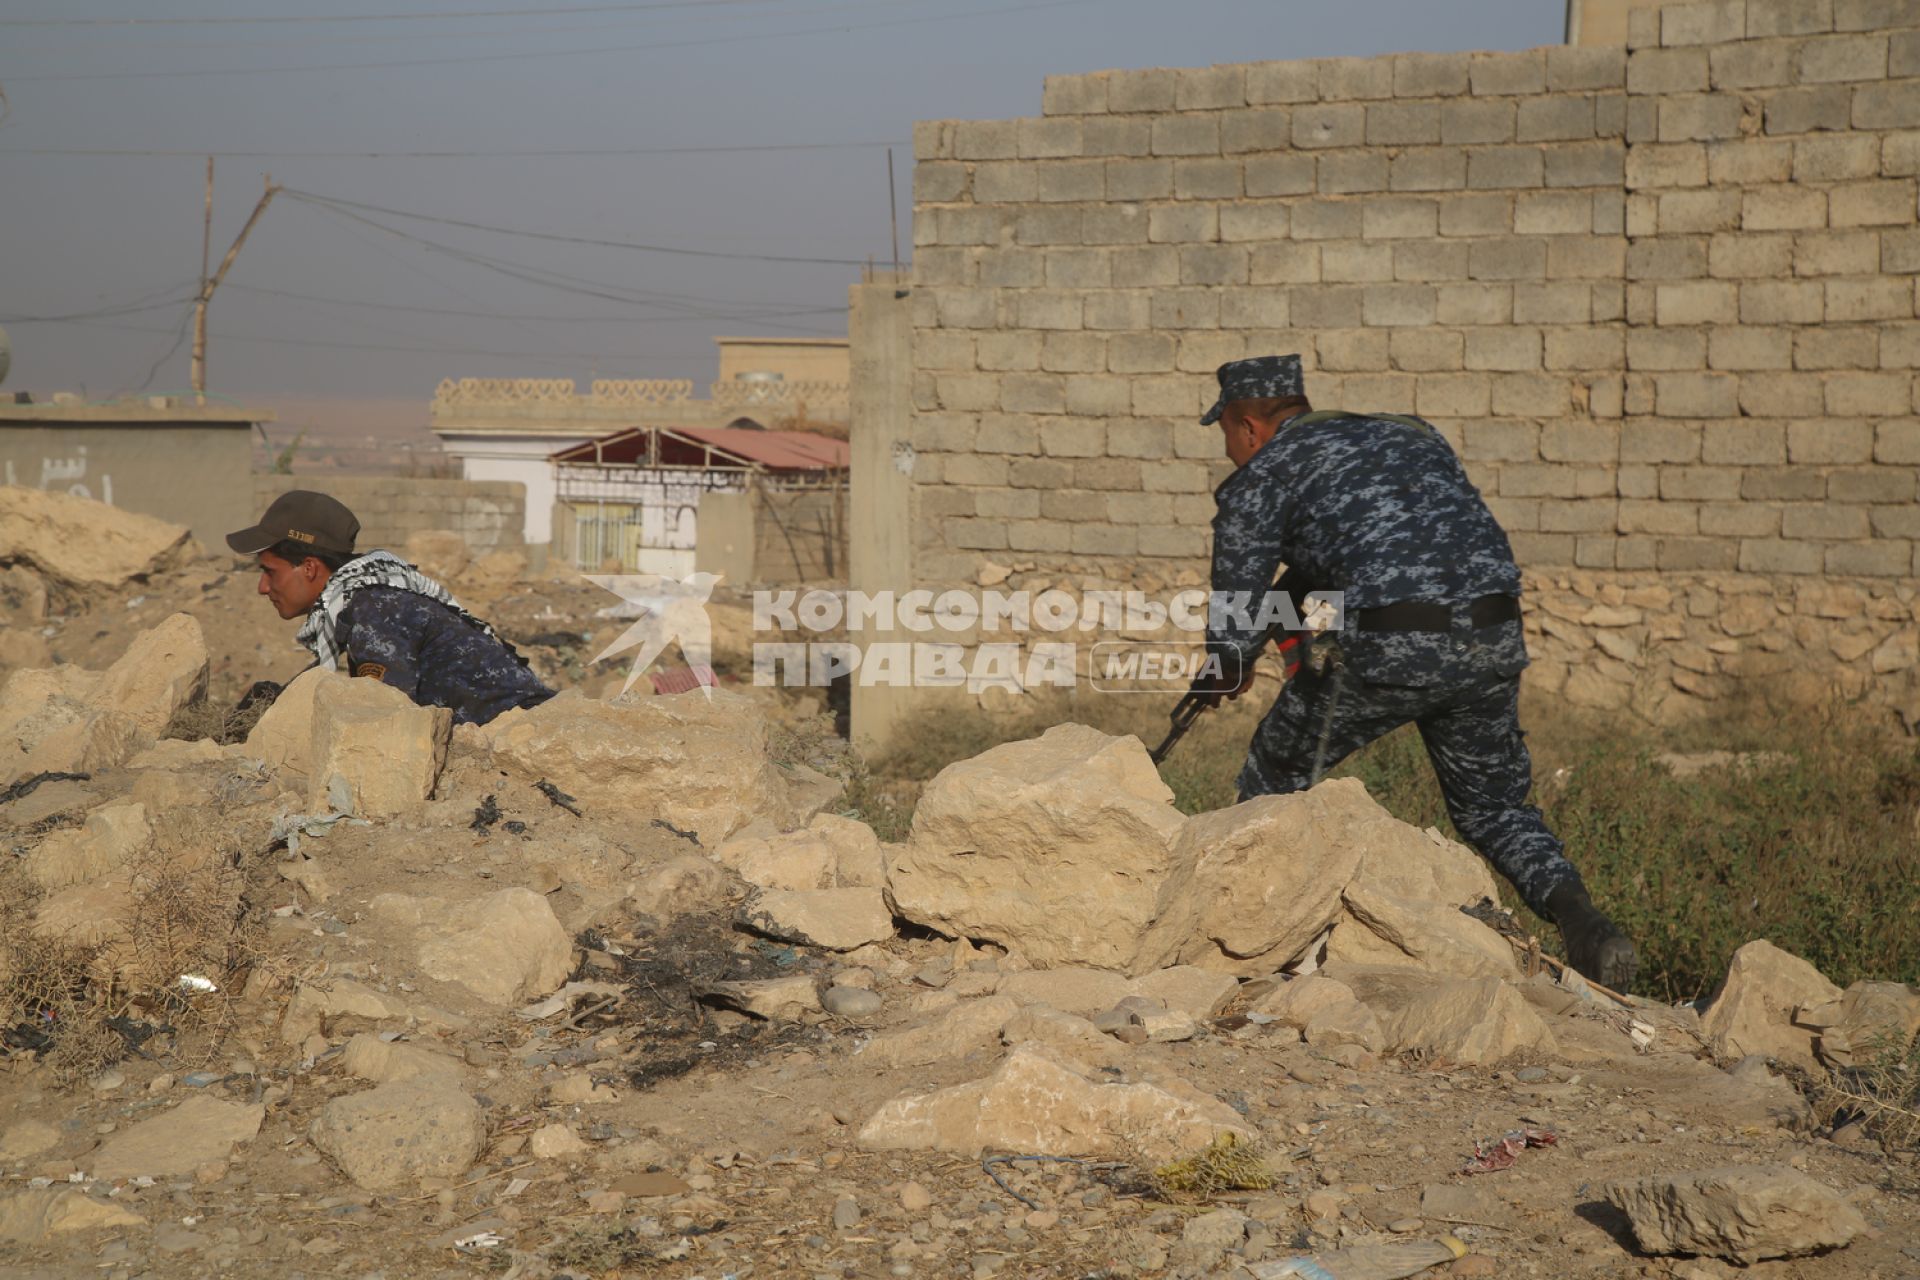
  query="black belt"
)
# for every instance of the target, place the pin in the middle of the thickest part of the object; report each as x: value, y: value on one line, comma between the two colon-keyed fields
x: 1487, y: 611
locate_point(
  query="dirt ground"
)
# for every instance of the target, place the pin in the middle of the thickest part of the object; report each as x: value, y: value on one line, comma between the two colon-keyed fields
x: 711, y: 1144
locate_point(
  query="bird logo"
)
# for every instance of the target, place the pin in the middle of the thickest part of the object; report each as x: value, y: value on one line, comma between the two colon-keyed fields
x: 664, y: 611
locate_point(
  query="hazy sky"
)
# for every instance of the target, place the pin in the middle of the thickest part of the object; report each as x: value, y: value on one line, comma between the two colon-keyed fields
x: 82, y: 234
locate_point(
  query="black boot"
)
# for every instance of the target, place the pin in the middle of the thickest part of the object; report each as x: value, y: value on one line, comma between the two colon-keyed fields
x: 1595, y: 946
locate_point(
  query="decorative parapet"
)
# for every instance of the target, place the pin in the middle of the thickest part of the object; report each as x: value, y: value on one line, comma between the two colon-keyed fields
x: 742, y: 393
x: 455, y: 397
x: 468, y: 392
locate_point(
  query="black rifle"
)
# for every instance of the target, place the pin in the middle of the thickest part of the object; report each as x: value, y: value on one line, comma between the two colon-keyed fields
x: 1189, y: 709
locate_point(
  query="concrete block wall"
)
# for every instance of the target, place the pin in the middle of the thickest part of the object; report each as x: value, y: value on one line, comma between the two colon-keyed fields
x: 489, y: 514
x: 1660, y: 297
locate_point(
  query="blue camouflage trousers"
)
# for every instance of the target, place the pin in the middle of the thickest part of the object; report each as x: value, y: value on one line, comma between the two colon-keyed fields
x: 1473, y: 738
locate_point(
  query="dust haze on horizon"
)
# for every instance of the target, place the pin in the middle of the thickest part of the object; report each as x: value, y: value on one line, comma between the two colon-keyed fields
x: 326, y: 301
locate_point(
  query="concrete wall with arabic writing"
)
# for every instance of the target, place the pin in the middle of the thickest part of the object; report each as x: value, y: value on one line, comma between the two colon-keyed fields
x: 198, y: 474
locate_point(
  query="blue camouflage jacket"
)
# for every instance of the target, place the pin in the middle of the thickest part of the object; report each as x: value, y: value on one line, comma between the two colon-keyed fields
x: 1382, y: 511
x: 434, y: 656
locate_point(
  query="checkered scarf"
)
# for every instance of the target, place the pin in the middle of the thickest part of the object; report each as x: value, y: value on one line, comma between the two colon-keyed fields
x: 374, y: 569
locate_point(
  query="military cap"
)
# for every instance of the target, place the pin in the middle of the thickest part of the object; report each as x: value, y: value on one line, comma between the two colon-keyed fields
x: 1261, y: 378
x: 301, y: 516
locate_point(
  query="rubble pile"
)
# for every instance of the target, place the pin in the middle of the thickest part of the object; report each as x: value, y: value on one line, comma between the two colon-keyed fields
x: 602, y: 986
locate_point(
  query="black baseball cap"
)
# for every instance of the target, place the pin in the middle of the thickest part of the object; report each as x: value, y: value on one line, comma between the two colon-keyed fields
x: 304, y: 517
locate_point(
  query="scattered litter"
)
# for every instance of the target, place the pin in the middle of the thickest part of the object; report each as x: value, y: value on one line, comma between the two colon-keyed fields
x: 288, y: 828
x: 1390, y: 1260
x: 1643, y: 1034
x: 564, y: 997
x: 558, y: 797
x: 779, y: 955
x: 27, y: 786
x: 134, y: 602
x: 485, y: 816
x: 684, y: 679
x: 664, y: 825
x: 201, y: 1079
x: 1501, y: 1153
x: 194, y: 984
x: 515, y: 1187
x: 479, y: 1240
x: 340, y: 794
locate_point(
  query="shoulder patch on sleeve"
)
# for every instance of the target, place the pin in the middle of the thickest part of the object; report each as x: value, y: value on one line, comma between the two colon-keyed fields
x: 377, y: 670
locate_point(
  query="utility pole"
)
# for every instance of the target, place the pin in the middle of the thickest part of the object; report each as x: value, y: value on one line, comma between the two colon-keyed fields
x: 209, y: 283
x: 200, y: 308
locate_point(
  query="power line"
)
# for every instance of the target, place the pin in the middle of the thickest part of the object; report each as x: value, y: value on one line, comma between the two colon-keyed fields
x: 556, y: 280
x: 262, y: 20
x: 749, y: 314
x: 585, y: 358
x: 524, y: 55
x: 130, y: 307
x: 524, y: 153
x: 341, y: 206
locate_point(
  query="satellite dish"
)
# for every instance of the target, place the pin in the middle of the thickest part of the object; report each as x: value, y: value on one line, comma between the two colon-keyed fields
x: 6, y: 355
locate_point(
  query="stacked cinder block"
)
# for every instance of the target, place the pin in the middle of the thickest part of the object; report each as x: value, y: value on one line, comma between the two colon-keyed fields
x: 1661, y: 297
x: 1770, y: 288
x: 487, y: 513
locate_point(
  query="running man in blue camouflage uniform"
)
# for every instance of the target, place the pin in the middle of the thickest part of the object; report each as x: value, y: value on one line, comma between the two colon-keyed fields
x: 1380, y: 509
x: 387, y: 619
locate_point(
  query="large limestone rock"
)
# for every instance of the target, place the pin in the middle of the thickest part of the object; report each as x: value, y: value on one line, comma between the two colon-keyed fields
x: 830, y: 852
x: 836, y: 919
x: 389, y: 1061
x: 68, y: 719
x: 317, y: 1004
x: 966, y: 1028
x: 388, y: 749
x: 1039, y: 1102
x: 283, y: 735
x: 1402, y: 905
x: 1474, y: 1022
x: 162, y: 671
x: 109, y: 839
x: 1325, y: 1012
x: 198, y: 1131
x: 1754, y: 1009
x: 698, y: 763
x: 512, y: 950
x: 1061, y: 848
x: 1873, y: 1020
x: 30, y: 1217
x: 1745, y: 1214
x: 392, y: 1136
x: 85, y: 545
x: 1268, y: 874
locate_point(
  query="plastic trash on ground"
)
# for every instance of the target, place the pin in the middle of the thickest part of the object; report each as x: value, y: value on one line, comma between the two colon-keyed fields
x: 1386, y: 1260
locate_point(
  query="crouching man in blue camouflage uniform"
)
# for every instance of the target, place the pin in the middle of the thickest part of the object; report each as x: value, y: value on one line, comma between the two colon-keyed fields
x: 1379, y: 508
x: 386, y: 618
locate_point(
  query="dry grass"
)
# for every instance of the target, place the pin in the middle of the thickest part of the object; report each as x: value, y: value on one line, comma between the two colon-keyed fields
x: 180, y: 911
x: 1227, y: 1164
x: 1883, y: 1096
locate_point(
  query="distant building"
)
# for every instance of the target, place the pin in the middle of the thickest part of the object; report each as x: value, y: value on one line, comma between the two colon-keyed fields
x: 751, y: 503
x: 508, y: 428
x: 159, y: 455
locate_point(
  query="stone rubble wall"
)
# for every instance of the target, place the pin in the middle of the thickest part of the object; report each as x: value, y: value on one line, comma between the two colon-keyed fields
x: 1661, y: 298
